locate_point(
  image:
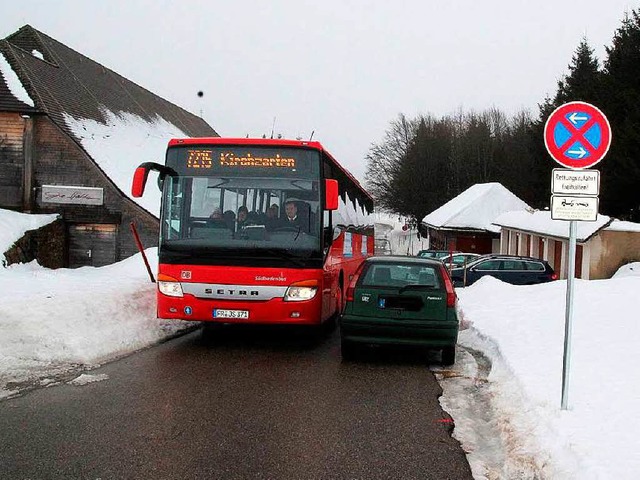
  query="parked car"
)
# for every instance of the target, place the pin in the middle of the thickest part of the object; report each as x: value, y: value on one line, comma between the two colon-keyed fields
x: 508, y: 268
x: 434, y: 253
x: 400, y: 300
x: 456, y: 260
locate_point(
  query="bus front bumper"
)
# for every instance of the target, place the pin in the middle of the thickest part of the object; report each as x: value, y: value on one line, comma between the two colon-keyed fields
x: 274, y: 311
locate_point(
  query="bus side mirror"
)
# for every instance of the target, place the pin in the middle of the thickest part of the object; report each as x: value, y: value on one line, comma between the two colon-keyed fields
x: 139, y: 181
x: 330, y: 194
x: 141, y: 174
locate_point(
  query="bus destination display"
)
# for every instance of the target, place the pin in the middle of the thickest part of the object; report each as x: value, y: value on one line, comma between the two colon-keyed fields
x: 204, y: 159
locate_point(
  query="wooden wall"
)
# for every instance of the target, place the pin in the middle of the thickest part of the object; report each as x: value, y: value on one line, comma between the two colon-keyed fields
x: 612, y: 249
x: 11, y: 160
x: 59, y: 160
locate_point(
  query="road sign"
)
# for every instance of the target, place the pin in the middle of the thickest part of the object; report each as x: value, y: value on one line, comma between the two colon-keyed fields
x: 577, y: 135
x: 575, y: 182
x: 573, y: 208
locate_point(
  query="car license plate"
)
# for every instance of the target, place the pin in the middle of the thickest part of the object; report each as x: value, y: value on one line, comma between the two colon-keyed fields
x: 220, y: 313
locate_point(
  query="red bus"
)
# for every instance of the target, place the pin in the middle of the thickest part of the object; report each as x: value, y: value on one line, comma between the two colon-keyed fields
x: 227, y: 251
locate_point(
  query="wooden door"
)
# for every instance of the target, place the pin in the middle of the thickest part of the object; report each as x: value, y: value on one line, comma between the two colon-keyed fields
x: 92, y: 244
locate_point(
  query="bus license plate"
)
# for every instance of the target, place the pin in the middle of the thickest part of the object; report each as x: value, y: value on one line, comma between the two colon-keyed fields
x: 220, y: 313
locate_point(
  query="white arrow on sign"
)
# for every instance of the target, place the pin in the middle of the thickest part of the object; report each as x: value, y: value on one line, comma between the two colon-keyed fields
x: 575, y: 118
x: 581, y: 152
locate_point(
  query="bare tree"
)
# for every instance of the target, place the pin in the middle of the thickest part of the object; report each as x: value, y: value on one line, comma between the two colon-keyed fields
x: 385, y: 159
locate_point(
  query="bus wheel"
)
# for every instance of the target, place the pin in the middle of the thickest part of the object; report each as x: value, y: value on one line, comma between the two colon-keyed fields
x: 339, y: 295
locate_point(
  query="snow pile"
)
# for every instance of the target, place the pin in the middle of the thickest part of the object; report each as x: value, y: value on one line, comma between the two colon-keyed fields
x: 13, y: 225
x: 57, y: 321
x: 121, y: 144
x: 85, y: 379
x: 520, y: 329
x: 13, y: 82
x: 628, y: 270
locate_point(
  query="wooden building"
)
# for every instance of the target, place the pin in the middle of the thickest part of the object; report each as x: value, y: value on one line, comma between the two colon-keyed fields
x: 465, y: 223
x: 602, y: 247
x: 72, y: 133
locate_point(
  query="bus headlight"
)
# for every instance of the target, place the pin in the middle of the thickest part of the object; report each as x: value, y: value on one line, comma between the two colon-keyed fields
x: 169, y: 286
x: 171, y: 289
x: 300, y: 291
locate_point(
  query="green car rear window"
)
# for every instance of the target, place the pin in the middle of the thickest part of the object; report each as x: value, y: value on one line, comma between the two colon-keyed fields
x: 390, y: 275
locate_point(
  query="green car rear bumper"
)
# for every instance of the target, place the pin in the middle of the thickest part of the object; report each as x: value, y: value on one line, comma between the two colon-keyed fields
x: 433, y: 334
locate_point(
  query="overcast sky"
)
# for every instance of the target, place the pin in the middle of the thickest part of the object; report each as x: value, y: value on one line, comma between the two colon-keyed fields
x: 343, y: 69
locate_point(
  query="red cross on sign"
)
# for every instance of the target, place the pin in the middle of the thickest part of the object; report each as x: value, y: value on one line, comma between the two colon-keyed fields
x: 577, y: 135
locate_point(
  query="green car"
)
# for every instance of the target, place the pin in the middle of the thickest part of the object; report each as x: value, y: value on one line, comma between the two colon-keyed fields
x: 396, y: 300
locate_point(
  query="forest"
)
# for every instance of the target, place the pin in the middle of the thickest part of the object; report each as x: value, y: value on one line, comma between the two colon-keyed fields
x: 423, y: 162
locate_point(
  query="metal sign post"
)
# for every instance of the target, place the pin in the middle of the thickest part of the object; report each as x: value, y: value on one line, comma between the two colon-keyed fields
x: 566, y: 358
x: 577, y: 136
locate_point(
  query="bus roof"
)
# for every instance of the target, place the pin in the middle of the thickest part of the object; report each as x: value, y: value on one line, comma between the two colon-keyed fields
x: 259, y: 142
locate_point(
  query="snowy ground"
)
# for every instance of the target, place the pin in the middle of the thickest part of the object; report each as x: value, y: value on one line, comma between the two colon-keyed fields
x: 503, y: 392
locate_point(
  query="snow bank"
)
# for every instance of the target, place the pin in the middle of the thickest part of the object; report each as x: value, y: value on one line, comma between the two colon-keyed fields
x: 55, y: 321
x: 521, y: 330
x: 13, y: 225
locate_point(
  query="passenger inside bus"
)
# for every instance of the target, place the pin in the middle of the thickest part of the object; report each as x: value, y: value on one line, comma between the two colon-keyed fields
x: 229, y: 219
x: 216, y: 220
x: 272, y: 219
x: 297, y: 215
x: 241, y: 219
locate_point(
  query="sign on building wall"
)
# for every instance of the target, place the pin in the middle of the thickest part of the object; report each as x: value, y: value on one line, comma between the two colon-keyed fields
x: 72, y: 195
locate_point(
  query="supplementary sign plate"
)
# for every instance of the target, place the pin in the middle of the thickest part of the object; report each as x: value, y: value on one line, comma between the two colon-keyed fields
x: 574, y: 208
x: 575, y: 182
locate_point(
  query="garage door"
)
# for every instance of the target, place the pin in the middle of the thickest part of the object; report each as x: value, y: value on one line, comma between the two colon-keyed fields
x: 92, y: 244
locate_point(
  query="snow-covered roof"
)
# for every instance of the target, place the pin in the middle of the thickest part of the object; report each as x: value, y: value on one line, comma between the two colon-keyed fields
x: 475, y: 208
x: 121, y: 144
x: 540, y: 222
x: 622, y: 226
x: 12, y: 81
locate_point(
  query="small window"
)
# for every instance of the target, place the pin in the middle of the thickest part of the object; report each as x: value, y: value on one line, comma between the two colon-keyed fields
x: 390, y: 275
x: 535, y: 266
x: 489, y: 265
x: 513, y: 265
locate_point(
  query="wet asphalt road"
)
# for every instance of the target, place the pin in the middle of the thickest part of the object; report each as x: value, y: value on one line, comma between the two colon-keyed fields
x: 253, y: 405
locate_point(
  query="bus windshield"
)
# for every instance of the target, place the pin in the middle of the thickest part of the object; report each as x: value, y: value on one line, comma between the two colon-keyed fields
x: 248, y: 201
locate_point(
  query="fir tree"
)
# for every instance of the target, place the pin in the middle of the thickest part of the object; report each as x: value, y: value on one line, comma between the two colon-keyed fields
x: 621, y: 103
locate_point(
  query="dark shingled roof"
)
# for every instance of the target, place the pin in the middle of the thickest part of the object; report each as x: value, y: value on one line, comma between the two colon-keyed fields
x: 8, y: 102
x: 65, y: 81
